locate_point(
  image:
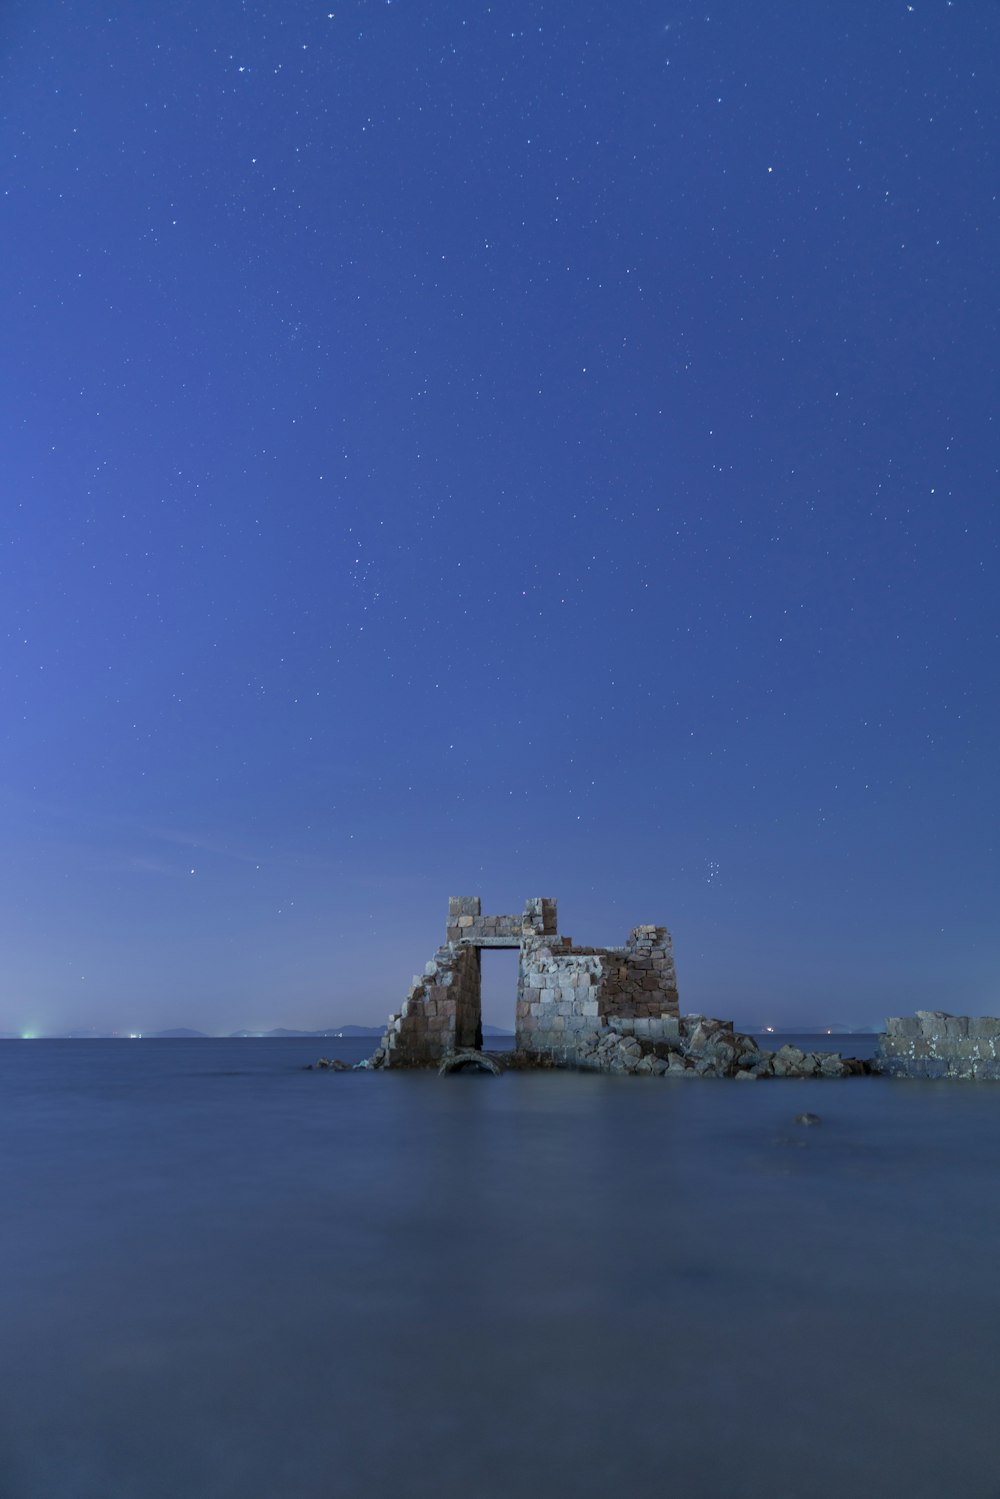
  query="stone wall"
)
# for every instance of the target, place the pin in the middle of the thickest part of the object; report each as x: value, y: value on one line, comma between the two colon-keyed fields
x: 933, y: 1044
x: 441, y: 1012
x: 567, y: 993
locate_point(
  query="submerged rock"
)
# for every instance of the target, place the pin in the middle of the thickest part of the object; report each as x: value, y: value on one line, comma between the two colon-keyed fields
x: 455, y: 1061
x: 808, y: 1119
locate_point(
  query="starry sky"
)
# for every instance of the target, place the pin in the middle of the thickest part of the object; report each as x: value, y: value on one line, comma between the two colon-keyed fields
x: 518, y: 448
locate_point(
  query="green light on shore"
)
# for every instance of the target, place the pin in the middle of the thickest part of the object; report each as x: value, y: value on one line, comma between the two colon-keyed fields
x: 27, y: 1035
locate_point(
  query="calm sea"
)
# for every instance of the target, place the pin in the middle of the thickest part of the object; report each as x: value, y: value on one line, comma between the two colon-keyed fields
x: 225, y: 1277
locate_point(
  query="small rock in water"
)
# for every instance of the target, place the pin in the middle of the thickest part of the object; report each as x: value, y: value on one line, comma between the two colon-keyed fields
x: 456, y: 1061
x: 807, y: 1119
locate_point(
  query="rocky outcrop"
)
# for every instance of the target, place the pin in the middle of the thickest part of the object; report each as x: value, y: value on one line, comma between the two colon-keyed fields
x: 934, y: 1044
x: 709, y: 1048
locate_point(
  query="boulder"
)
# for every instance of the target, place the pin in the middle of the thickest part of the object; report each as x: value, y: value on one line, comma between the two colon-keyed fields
x: 787, y: 1061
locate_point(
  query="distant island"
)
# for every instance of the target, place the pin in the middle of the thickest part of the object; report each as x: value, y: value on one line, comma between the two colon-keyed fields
x: 369, y: 1032
x: 186, y: 1033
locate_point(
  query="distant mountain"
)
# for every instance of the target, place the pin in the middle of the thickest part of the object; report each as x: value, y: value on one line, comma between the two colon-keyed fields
x: 186, y: 1033
x: 179, y: 1033
x: 284, y: 1032
x: 808, y: 1030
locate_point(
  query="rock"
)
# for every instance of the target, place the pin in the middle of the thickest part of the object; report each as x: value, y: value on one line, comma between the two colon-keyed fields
x: 747, y: 1051
x: 698, y: 1033
x: 788, y: 1061
x: 455, y: 1061
x: 721, y: 1048
x: 747, y: 1077
x: 807, y: 1119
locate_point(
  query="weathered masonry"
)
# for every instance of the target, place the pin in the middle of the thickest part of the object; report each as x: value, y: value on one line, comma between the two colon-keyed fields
x: 932, y: 1043
x: 568, y: 997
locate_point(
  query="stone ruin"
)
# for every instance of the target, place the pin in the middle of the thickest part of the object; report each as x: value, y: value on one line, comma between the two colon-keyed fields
x: 934, y: 1044
x: 569, y: 998
x: 607, y: 1009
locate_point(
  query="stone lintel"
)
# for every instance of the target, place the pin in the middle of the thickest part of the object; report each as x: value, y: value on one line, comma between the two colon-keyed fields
x: 477, y: 941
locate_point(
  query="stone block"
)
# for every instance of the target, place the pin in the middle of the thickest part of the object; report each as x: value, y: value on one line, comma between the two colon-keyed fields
x: 932, y: 1022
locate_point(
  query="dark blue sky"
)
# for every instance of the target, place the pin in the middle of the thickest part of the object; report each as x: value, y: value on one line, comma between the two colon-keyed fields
x: 530, y: 448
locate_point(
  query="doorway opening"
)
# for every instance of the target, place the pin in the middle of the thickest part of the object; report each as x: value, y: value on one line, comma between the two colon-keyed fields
x: 498, y: 969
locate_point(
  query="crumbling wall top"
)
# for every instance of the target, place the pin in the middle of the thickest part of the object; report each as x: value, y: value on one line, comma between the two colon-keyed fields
x: 468, y: 926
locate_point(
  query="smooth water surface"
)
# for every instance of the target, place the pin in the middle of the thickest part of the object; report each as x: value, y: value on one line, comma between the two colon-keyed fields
x: 224, y: 1277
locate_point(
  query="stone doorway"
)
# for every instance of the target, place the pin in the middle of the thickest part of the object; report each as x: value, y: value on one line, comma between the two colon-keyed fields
x: 498, y: 992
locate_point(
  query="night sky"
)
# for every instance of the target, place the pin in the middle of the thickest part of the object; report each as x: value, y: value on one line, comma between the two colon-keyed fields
x: 514, y: 449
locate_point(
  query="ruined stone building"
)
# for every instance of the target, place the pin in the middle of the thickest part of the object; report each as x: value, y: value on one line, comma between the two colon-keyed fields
x: 567, y: 996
